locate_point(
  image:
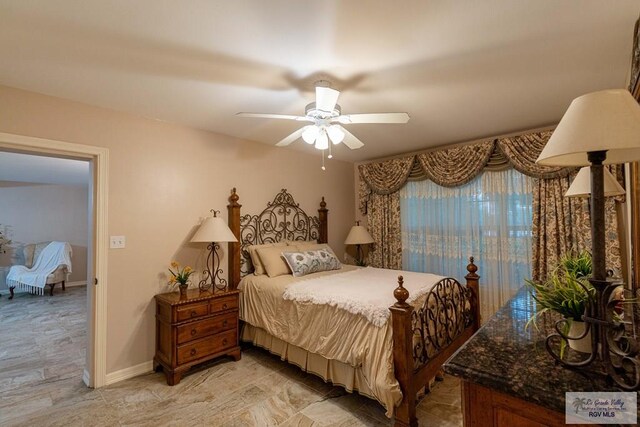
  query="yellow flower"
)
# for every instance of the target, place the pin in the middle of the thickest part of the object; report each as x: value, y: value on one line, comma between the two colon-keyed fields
x: 188, y: 269
x: 172, y: 280
x: 174, y: 264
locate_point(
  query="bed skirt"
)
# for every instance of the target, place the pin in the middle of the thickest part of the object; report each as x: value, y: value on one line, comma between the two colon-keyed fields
x: 330, y: 370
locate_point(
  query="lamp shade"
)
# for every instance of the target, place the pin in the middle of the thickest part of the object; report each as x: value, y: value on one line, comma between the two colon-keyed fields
x: 358, y: 236
x: 214, y: 229
x: 581, y: 185
x: 606, y: 120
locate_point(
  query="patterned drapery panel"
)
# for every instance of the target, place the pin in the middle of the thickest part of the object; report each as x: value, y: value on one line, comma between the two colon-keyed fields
x: 458, y: 165
x: 384, y: 225
x: 562, y: 224
x: 386, y: 177
x: 382, y: 178
x: 522, y: 151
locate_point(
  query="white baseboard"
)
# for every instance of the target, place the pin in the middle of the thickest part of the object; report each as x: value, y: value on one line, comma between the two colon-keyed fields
x: 130, y: 372
x: 78, y: 283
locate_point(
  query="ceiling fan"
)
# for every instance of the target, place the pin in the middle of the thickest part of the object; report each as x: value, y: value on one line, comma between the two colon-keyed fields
x: 326, y: 119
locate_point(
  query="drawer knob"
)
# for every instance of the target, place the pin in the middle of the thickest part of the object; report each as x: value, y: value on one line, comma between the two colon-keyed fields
x: 193, y: 352
x: 225, y: 323
x: 224, y: 341
x: 193, y: 332
x: 224, y: 306
x: 194, y: 313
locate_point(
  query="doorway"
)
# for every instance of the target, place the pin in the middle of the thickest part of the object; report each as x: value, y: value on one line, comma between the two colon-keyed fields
x: 94, y: 374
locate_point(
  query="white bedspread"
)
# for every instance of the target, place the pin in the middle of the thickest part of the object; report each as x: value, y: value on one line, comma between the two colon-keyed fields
x: 364, y: 291
x: 34, y: 279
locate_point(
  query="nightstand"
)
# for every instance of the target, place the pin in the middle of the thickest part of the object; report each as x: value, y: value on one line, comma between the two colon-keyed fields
x: 193, y: 329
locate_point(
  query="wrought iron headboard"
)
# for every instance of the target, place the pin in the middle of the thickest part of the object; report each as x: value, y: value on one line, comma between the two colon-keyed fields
x: 282, y: 219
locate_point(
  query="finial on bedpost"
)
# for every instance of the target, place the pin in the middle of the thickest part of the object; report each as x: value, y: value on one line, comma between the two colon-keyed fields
x: 233, y: 199
x: 400, y: 293
x: 473, y: 284
x: 472, y: 268
x: 323, y: 204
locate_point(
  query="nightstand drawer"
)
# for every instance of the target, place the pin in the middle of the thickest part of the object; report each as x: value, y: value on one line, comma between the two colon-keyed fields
x: 191, y: 311
x: 202, y: 328
x: 226, y: 303
x: 207, y: 346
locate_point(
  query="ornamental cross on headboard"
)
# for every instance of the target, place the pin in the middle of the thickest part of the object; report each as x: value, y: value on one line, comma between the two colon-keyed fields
x: 283, y: 219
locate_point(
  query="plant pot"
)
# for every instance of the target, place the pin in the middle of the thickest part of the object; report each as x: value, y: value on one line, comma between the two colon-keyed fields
x: 577, y: 329
x: 183, y: 289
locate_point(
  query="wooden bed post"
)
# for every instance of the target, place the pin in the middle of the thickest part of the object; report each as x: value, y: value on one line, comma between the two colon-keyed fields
x: 403, y: 356
x: 323, y: 214
x: 234, y: 247
x: 472, y: 283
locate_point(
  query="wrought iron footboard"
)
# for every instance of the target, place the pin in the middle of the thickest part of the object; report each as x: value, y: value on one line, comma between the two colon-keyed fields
x: 443, y: 316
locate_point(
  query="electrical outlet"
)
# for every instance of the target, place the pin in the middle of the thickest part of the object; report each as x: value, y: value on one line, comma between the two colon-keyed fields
x: 117, y: 242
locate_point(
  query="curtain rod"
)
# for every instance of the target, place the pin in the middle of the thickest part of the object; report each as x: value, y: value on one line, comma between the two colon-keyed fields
x: 458, y: 144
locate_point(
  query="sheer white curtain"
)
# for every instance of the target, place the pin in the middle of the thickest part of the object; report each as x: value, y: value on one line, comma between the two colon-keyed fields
x: 489, y: 218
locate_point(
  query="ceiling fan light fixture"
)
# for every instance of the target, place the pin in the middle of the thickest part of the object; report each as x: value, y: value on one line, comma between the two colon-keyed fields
x: 310, y: 133
x: 322, y: 142
x: 335, y: 134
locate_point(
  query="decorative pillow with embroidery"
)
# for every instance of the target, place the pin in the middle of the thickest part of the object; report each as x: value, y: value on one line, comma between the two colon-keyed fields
x: 307, y: 262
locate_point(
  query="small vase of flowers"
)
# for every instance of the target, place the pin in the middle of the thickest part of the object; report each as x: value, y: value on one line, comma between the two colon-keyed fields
x: 180, y: 276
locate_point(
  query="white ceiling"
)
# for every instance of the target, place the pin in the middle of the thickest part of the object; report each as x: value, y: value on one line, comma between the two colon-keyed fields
x: 461, y: 69
x: 16, y: 167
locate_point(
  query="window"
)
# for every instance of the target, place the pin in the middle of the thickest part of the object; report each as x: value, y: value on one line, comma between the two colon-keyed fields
x: 489, y: 218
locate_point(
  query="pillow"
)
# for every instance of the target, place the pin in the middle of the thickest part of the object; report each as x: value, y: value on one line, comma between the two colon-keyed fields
x: 273, y: 261
x: 312, y: 246
x: 258, y: 268
x: 307, y: 262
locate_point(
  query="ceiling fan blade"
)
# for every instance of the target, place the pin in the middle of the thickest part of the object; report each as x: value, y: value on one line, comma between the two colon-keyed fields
x: 350, y: 140
x: 347, y: 119
x: 289, y: 139
x: 272, y: 116
x: 326, y: 98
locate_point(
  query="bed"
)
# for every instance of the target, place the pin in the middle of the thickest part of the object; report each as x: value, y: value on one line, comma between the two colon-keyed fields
x: 388, y: 353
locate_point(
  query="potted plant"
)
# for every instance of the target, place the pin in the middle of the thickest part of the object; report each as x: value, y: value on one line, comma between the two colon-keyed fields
x: 567, y: 292
x: 180, y: 276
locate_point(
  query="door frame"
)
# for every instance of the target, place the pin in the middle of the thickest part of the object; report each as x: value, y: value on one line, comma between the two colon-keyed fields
x: 95, y: 372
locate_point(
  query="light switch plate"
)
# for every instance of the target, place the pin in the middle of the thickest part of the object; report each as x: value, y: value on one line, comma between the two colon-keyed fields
x: 117, y: 242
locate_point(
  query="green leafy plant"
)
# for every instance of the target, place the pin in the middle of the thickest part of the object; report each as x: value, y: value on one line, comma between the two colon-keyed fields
x: 567, y: 290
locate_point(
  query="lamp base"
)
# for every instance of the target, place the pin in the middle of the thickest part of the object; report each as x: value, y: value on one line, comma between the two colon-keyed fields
x: 211, y: 275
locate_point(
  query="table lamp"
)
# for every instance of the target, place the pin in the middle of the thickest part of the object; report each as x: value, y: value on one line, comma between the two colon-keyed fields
x: 581, y: 185
x: 213, y: 231
x: 599, y: 128
x: 358, y: 235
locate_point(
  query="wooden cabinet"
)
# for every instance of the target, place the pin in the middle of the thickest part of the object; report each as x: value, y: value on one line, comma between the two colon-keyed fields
x: 193, y: 329
x: 485, y: 407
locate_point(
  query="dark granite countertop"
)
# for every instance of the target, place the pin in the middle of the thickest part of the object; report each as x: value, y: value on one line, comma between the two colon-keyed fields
x: 505, y: 356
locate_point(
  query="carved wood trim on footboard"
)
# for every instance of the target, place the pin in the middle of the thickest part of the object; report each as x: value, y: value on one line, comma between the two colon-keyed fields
x: 425, y: 338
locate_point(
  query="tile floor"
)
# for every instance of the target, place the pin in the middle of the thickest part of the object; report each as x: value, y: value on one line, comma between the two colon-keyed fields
x: 42, y: 350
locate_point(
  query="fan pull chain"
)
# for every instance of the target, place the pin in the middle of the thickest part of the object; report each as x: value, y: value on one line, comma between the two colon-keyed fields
x: 323, y: 168
x: 330, y: 156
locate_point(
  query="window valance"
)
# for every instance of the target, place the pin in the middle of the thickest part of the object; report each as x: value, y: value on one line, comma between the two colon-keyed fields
x: 452, y: 167
x: 522, y: 151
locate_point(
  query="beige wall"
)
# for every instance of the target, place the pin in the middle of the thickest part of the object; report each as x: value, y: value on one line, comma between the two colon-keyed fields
x: 38, y: 213
x: 163, y: 178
